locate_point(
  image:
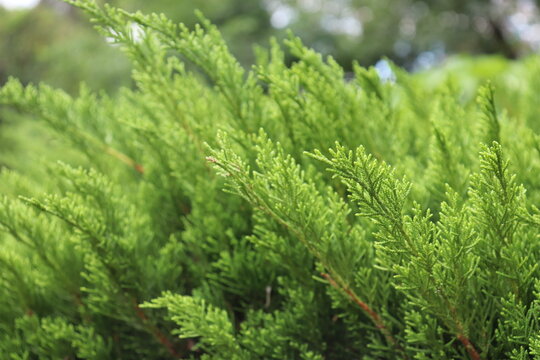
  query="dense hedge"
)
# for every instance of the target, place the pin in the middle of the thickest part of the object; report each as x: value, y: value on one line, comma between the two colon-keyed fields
x: 362, y: 218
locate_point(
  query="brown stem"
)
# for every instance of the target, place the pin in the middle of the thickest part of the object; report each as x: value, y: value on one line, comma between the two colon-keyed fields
x: 156, y: 332
x: 369, y: 311
x: 125, y: 159
x: 460, y: 335
x: 469, y: 346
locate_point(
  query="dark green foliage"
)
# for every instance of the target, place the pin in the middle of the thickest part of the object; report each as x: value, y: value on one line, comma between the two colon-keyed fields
x: 361, y: 219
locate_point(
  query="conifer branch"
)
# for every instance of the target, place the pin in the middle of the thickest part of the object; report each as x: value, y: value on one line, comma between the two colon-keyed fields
x: 369, y: 311
x: 489, y: 118
x: 154, y: 330
x: 111, y: 272
x: 381, y: 197
x: 246, y: 186
x: 29, y: 100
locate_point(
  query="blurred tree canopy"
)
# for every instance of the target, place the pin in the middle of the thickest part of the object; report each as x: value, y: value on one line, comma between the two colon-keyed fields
x: 46, y: 44
x: 365, y: 30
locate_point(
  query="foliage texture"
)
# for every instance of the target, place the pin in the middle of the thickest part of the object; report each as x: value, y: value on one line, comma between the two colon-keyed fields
x: 361, y: 218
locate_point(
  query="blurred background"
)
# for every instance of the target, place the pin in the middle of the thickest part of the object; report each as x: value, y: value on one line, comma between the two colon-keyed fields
x: 47, y: 40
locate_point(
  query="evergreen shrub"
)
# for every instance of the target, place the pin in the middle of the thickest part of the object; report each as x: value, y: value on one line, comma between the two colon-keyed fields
x: 362, y: 218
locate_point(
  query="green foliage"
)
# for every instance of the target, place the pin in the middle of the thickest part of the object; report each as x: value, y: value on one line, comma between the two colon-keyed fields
x: 195, y: 319
x: 360, y: 219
